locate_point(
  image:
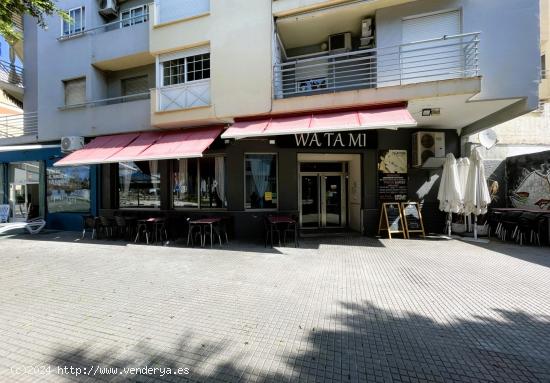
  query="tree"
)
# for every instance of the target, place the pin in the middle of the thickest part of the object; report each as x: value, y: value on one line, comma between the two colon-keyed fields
x: 39, y: 9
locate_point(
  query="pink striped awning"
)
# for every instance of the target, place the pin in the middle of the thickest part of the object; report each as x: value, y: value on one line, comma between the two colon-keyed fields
x: 145, y: 146
x: 381, y: 118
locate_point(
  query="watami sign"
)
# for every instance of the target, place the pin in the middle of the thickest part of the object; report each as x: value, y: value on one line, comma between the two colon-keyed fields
x: 333, y: 140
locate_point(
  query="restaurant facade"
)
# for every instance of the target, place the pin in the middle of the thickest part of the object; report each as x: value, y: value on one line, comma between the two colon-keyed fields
x: 321, y: 110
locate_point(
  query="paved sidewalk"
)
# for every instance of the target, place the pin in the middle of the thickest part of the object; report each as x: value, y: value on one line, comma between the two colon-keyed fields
x: 347, y: 309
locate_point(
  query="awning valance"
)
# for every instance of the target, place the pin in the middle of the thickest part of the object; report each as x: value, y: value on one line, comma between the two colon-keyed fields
x: 145, y: 146
x: 363, y: 119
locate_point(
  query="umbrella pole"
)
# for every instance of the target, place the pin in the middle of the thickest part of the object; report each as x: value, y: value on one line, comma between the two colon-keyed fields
x: 449, y: 220
x: 475, y: 227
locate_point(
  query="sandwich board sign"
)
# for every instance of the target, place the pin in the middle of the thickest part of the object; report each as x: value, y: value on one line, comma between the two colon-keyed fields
x: 391, y: 219
x: 412, y: 218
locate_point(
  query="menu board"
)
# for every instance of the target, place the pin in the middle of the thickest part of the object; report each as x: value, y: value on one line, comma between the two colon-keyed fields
x: 412, y: 218
x: 391, y: 219
x: 392, y: 176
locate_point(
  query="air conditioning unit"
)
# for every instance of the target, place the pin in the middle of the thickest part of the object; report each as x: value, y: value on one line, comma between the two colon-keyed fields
x: 426, y: 145
x: 108, y: 8
x: 340, y: 42
x: 71, y: 144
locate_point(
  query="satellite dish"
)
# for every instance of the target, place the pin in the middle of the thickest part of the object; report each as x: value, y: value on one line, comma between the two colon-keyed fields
x: 488, y: 138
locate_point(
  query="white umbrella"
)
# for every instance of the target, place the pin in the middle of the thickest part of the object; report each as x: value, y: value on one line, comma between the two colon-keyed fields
x: 449, y: 195
x: 477, y: 197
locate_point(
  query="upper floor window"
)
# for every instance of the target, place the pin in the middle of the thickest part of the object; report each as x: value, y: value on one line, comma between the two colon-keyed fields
x: 75, y: 91
x: 77, y: 22
x: 185, y: 69
x: 134, y: 85
x: 136, y: 15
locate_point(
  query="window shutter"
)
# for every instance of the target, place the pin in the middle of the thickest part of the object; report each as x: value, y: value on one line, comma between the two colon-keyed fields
x: 431, y: 26
x: 135, y: 85
x: 75, y: 91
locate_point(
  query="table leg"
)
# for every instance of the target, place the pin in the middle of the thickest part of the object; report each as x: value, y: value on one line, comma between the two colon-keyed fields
x: 211, y: 236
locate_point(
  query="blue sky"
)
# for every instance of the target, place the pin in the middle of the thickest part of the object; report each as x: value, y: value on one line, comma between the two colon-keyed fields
x: 5, y: 51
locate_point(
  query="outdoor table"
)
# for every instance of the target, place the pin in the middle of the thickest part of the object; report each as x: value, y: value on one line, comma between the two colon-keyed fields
x: 275, y: 220
x: 202, y: 223
x: 145, y: 223
x: 545, y: 213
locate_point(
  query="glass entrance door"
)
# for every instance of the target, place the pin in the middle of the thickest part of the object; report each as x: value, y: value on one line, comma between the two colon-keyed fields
x: 322, y: 200
x: 24, y: 194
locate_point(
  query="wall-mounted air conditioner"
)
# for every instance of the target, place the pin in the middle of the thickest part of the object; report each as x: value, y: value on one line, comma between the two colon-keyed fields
x: 339, y: 43
x: 71, y: 143
x: 426, y: 145
x: 108, y: 8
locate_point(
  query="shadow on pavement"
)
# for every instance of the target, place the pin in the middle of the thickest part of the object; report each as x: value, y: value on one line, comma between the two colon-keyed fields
x: 368, y: 344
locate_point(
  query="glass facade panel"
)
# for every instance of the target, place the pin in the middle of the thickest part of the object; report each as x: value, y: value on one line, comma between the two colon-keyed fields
x: 24, y: 198
x: 261, y: 181
x: 2, y: 185
x: 139, y: 184
x: 185, y: 188
x: 68, y: 189
x: 212, y: 187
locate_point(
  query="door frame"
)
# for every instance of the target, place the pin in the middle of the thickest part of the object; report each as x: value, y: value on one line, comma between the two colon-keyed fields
x: 321, y: 198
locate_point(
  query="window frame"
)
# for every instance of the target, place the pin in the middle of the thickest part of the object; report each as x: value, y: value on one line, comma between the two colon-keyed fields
x: 199, y: 207
x: 276, y: 180
x: 131, y: 20
x: 122, y: 82
x: 82, y: 9
x: 88, y: 211
x: 140, y: 208
x: 185, y: 56
x: 64, y: 82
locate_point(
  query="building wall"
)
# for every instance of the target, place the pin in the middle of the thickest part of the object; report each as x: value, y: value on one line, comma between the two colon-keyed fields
x: 503, y: 63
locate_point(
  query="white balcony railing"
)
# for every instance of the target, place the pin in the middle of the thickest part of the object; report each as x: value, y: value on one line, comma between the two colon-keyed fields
x: 118, y: 24
x: 444, y: 58
x: 183, y: 96
x: 108, y: 101
x: 19, y: 125
x: 11, y: 73
x: 172, y: 10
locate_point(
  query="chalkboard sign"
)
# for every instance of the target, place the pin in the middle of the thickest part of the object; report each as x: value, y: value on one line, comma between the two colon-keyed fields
x: 412, y: 218
x: 391, y: 219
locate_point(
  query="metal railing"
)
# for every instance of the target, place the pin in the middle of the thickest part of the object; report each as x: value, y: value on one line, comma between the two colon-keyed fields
x: 118, y: 24
x: 11, y: 73
x: 443, y: 58
x: 109, y: 101
x: 18, y: 125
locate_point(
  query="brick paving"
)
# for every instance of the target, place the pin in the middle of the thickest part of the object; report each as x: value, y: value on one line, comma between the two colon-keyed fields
x: 345, y: 309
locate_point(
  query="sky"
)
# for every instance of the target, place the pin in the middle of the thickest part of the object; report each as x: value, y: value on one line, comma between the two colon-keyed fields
x: 5, y: 51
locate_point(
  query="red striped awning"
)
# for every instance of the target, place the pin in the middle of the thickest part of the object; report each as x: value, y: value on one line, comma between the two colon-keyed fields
x: 363, y: 119
x: 147, y: 146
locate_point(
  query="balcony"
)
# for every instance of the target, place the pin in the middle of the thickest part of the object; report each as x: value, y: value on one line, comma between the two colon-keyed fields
x: 183, y: 96
x: 120, y: 44
x: 99, y: 117
x: 11, y: 78
x: 449, y: 57
x: 18, y: 126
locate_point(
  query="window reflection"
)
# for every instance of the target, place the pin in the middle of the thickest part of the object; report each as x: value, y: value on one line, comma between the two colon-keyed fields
x: 68, y: 189
x: 261, y: 181
x: 139, y: 184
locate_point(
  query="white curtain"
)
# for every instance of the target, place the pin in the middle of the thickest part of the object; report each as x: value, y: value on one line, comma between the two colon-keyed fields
x: 182, y: 175
x: 127, y: 177
x: 219, y: 175
x: 155, y: 179
x: 261, y: 168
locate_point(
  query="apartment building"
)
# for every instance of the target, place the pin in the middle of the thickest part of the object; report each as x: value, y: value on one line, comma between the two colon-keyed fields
x: 320, y: 109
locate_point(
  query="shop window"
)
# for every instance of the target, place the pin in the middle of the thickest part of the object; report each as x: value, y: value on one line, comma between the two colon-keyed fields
x: 68, y: 189
x: 75, y: 91
x: 199, y: 183
x: 185, y: 188
x: 77, y: 22
x: 2, y: 185
x: 261, y: 181
x: 139, y: 184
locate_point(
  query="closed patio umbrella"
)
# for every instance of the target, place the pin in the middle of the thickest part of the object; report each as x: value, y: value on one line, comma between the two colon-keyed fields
x: 449, y: 195
x: 476, y: 197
